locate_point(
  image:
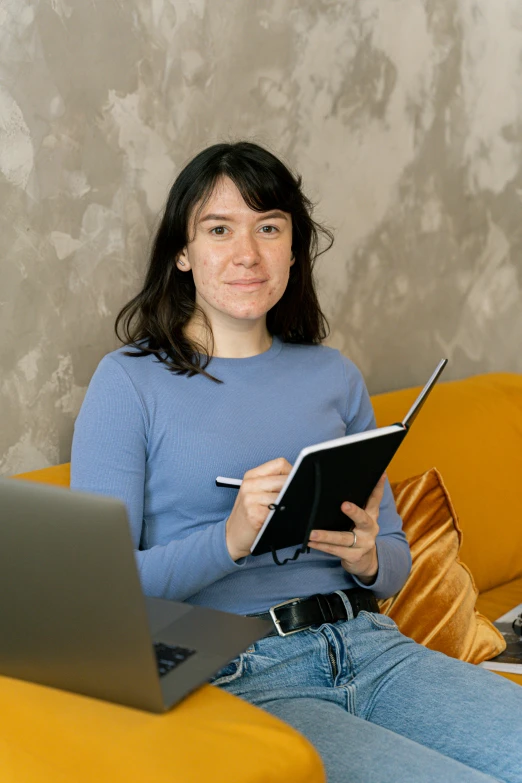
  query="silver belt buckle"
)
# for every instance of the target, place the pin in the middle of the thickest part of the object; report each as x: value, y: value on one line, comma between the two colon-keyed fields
x: 276, y: 622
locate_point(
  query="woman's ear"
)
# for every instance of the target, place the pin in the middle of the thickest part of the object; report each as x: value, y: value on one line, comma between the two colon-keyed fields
x: 182, y: 260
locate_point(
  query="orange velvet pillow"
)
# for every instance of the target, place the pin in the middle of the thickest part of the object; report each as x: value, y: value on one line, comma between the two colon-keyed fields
x: 436, y: 606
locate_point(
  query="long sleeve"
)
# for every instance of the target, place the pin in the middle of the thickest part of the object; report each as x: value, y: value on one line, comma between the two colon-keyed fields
x: 393, y: 550
x: 109, y: 457
x: 158, y: 439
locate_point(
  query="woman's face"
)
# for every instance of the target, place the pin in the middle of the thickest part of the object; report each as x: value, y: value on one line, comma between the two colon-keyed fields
x: 240, y: 258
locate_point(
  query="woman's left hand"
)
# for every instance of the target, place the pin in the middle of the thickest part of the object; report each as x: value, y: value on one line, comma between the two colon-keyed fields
x: 359, y: 559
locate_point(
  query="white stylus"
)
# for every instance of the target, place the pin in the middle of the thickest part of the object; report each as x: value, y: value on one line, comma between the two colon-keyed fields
x: 222, y: 481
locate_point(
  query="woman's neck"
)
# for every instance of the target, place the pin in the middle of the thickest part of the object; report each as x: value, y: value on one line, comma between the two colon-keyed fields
x: 231, y: 344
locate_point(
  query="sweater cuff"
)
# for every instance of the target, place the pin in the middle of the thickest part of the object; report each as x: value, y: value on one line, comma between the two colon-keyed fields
x: 219, y: 542
x: 378, y: 587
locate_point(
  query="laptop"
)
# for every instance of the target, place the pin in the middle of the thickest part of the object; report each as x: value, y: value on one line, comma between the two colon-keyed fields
x: 73, y: 614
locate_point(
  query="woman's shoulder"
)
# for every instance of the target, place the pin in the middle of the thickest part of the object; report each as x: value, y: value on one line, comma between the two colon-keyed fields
x: 130, y: 361
x: 323, y: 355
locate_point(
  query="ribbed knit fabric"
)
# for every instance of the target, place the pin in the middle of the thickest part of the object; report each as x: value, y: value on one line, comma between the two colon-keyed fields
x: 158, y: 440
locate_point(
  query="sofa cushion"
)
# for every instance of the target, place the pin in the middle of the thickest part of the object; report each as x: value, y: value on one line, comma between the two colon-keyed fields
x: 471, y: 430
x: 50, y: 735
x: 436, y: 606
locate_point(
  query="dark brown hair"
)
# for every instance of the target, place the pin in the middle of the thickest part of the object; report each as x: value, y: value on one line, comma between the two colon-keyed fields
x: 167, y: 301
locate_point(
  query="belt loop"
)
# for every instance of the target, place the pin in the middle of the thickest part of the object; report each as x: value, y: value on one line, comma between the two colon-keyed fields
x: 360, y: 599
x: 356, y: 606
x: 346, y: 599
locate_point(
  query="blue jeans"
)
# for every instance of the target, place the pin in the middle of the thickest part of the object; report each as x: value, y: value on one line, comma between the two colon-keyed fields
x: 381, y: 708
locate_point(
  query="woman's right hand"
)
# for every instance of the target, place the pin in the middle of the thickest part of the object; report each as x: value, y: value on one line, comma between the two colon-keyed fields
x: 260, y: 488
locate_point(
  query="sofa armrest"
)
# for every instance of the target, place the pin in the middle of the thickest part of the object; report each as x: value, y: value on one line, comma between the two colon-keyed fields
x: 50, y: 735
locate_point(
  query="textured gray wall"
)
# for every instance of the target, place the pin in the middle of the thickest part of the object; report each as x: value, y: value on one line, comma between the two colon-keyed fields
x: 404, y: 117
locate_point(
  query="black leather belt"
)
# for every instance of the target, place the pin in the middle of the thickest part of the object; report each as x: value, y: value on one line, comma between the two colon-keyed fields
x: 298, y: 614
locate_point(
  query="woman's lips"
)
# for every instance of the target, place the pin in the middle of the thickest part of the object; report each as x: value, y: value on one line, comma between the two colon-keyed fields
x: 248, y: 286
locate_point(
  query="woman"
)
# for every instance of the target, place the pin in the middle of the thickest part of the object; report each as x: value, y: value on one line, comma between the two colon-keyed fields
x: 223, y: 373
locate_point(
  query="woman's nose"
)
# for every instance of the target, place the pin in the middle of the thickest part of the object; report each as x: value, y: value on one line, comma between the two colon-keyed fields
x: 247, y: 251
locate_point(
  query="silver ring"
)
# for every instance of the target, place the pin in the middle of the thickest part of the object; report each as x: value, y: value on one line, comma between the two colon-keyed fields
x: 354, y: 540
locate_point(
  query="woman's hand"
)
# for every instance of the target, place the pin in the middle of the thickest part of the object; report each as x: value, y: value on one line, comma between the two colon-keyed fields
x: 260, y: 488
x: 359, y: 559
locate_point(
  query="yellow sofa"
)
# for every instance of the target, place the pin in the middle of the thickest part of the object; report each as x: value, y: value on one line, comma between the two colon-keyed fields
x: 471, y: 430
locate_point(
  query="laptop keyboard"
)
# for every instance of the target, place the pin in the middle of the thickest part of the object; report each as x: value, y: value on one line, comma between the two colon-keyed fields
x: 168, y: 657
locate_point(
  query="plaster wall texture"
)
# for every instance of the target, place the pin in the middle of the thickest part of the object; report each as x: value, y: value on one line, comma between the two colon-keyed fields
x: 404, y: 118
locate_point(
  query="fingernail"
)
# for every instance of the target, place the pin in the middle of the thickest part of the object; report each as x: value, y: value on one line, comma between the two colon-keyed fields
x: 314, y: 535
x: 348, y: 506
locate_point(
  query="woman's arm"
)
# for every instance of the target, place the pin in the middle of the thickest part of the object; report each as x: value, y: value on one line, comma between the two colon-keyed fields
x: 109, y: 458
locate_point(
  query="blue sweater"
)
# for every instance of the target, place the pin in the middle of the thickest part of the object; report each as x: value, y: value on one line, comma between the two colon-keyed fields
x: 158, y: 440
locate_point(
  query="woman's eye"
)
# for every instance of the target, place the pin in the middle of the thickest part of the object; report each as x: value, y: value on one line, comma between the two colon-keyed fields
x: 220, y: 231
